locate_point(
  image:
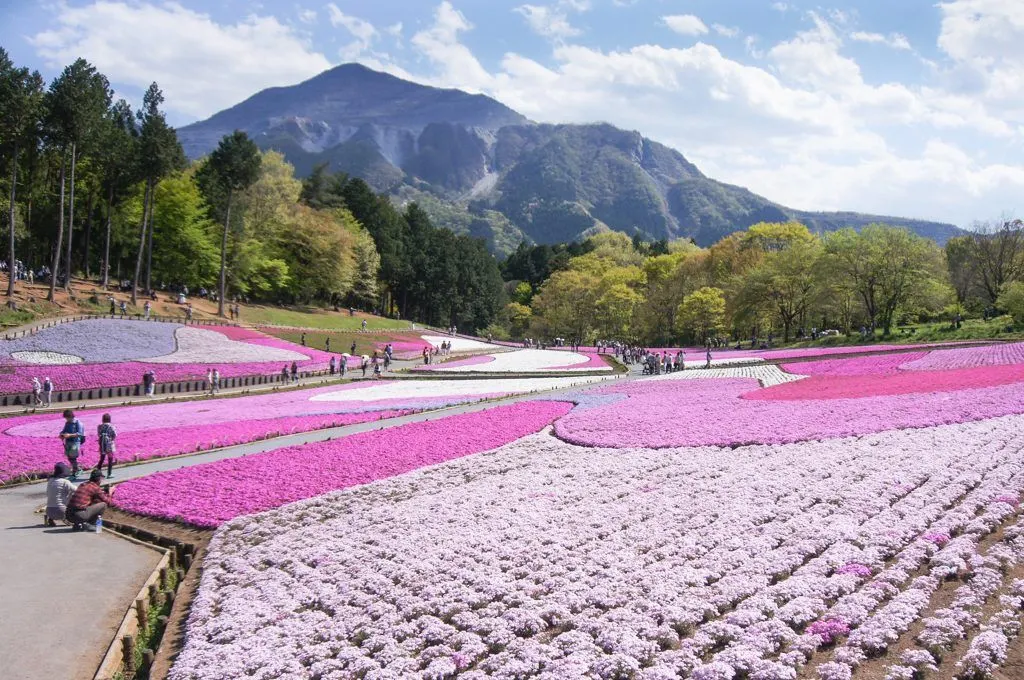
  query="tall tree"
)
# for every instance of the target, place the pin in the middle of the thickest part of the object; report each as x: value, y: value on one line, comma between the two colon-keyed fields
x: 999, y: 254
x: 21, y: 99
x: 159, y: 153
x: 234, y: 166
x: 78, y: 100
x: 120, y: 168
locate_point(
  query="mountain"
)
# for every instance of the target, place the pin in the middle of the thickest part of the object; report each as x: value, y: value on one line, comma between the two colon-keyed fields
x: 479, y: 167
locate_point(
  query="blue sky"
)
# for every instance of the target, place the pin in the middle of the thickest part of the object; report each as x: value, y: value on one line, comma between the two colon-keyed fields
x: 913, y: 108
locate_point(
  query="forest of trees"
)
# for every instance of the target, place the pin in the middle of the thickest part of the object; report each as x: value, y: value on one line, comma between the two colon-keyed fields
x: 770, y: 280
x: 95, y: 189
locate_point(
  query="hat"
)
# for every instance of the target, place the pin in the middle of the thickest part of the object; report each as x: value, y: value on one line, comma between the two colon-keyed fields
x: 95, y: 476
x: 60, y: 470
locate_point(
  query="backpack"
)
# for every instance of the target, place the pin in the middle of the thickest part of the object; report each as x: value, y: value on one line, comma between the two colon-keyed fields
x: 106, y: 441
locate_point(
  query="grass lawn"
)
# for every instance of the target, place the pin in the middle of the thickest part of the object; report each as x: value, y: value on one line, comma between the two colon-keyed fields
x: 341, y: 341
x: 318, y: 318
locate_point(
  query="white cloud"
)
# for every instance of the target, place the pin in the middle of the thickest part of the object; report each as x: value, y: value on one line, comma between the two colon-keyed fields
x: 136, y: 43
x: 725, y: 31
x: 685, y: 24
x: 897, y: 41
x: 780, y: 6
x: 394, y: 30
x: 307, y: 16
x: 547, y: 21
x: 455, y: 62
x: 362, y: 31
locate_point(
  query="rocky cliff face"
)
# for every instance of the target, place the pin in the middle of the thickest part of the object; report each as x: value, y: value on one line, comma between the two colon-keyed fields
x: 482, y: 167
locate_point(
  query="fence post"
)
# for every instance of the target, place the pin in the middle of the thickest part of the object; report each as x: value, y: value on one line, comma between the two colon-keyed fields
x: 128, y: 651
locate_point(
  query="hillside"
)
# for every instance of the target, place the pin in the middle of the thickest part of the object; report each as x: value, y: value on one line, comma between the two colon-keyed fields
x: 480, y: 168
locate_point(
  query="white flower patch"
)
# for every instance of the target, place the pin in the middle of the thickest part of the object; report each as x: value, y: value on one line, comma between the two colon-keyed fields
x: 529, y: 361
x: 418, y: 389
x: 47, y: 358
x: 543, y: 559
x: 767, y: 375
x: 201, y: 346
x: 458, y: 344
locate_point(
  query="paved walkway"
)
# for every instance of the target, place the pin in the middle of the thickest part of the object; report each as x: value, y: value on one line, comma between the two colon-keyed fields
x: 62, y: 594
x: 69, y: 590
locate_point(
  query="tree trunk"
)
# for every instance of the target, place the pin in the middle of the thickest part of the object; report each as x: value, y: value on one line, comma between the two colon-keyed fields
x: 224, y: 257
x: 60, y: 232
x: 149, y: 243
x: 88, y: 230
x: 10, y: 259
x: 71, y: 221
x: 142, y: 241
x: 106, y: 246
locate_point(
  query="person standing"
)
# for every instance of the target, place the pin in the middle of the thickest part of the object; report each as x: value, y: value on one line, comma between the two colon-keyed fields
x: 284, y: 375
x: 344, y: 365
x: 364, y: 325
x: 36, y: 391
x: 327, y: 344
x: 295, y: 372
x: 352, y: 349
x: 124, y: 309
x: 146, y: 309
x: 47, y: 392
x: 331, y: 364
x: 113, y: 308
x: 188, y: 312
x: 707, y: 364
x: 149, y: 382
x: 87, y: 503
x: 302, y: 340
x: 216, y: 381
x: 209, y: 380
x: 58, y: 491
x: 106, y: 434
x: 73, y: 436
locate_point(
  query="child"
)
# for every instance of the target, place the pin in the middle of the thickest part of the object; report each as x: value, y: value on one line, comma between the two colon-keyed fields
x: 106, y: 434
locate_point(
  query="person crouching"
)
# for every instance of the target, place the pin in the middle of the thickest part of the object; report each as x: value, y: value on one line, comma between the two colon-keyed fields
x: 87, y: 503
x: 58, y: 491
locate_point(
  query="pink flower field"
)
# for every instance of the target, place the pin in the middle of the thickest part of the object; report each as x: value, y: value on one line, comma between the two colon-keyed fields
x: 862, y: 519
x: 207, y: 495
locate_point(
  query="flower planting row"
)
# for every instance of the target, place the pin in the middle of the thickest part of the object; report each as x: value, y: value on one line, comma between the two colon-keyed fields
x: 549, y: 560
x: 208, y: 495
x: 525, y: 361
x: 736, y: 411
x: 29, y: 444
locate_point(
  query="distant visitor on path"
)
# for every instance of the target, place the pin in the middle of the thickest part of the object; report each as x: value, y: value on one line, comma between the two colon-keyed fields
x: 47, y: 392
x: 37, y: 390
x: 215, y: 383
x: 352, y: 349
x: 124, y: 309
x: 149, y: 383
x: 327, y: 345
x: 302, y: 340
x: 284, y: 374
x: 58, y: 492
x: 146, y: 309
x: 106, y: 434
x: 73, y: 436
x: 708, y: 363
x: 295, y: 372
x: 364, y: 324
x: 331, y: 365
x: 87, y: 503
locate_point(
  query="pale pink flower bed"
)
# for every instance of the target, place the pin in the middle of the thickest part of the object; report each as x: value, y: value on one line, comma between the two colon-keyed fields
x: 468, y: 361
x: 882, y: 364
x: 903, y: 382
x: 968, y: 357
x: 722, y: 412
x: 594, y: 361
x: 208, y: 495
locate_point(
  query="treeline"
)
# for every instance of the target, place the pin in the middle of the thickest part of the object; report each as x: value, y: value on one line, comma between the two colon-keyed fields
x: 771, y: 280
x: 92, y: 187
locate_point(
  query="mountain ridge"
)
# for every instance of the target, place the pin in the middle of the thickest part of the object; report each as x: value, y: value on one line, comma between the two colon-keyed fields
x: 487, y: 170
